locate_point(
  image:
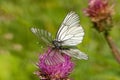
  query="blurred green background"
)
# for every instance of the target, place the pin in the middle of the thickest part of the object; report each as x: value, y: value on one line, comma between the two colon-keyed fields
x: 19, y: 49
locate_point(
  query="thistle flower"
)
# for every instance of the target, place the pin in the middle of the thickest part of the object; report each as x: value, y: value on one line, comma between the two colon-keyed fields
x: 100, y: 12
x: 54, y: 66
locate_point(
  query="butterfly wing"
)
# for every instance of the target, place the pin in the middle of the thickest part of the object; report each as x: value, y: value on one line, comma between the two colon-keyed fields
x: 75, y: 53
x: 54, y: 57
x: 70, y: 33
x: 42, y: 35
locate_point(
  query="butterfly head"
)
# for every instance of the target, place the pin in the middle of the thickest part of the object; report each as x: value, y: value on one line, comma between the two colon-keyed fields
x: 57, y: 44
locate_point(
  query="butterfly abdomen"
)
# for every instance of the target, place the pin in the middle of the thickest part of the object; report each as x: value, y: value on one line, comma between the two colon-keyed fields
x: 58, y: 45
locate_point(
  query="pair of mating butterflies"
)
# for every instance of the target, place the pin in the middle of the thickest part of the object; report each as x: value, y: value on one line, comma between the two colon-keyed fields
x: 68, y: 36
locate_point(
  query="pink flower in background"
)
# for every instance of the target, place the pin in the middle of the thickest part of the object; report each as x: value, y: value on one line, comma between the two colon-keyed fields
x: 98, y: 9
x: 54, y: 66
x: 100, y: 12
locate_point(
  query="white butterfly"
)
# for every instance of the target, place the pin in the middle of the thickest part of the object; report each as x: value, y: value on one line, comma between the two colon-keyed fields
x: 68, y: 36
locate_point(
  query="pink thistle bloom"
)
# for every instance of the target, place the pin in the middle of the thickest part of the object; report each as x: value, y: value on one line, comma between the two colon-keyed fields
x: 100, y: 12
x: 98, y: 9
x: 54, y: 66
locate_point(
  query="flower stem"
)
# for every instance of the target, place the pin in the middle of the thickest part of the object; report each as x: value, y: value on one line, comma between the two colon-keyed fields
x: 113, y: 46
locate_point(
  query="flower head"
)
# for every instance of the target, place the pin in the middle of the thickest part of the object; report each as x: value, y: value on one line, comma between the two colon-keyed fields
x: 100, y: 12
x: 54, y: 66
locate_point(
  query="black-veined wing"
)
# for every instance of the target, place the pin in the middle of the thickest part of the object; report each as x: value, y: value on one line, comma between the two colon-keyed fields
x: 75, y: 53
x: 42, y: 35
x: 54, y: 57
x: 70, y: 33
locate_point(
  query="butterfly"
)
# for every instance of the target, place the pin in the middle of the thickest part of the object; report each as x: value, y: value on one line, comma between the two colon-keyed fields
x: 68, y: 36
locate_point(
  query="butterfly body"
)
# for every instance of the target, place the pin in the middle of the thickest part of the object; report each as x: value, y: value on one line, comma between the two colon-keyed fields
x: 68, y: 36
x: 57, y: 44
